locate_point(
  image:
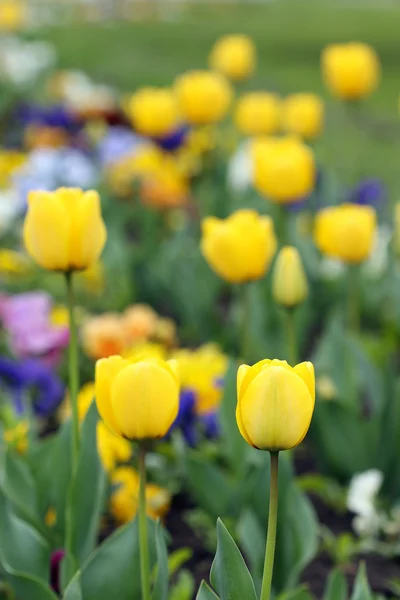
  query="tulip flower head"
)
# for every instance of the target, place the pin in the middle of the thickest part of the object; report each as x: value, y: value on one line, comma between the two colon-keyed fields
x: 64, y: 230
x: 275, y: 403
x: 284, y: 168
x: 258, y: 113
x: 351, y: 71
x: 203, y: 97
x: 289, y: 285
x: 234, y: 56
x: 137, y: 399
x: 240, y: 248
x: 153, y: 111
x: 303, y: 114
x: 346, y: 232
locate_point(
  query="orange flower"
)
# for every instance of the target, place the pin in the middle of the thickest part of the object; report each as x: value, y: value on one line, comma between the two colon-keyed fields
x: 103, y: 336
x: 139, y: 322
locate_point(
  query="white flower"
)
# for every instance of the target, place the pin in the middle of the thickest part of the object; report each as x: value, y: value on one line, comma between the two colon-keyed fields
x: 361, y: 496
x: 21, y: 62
x: 240, y: 169
x: 10, y: 208
x: 378, y: 261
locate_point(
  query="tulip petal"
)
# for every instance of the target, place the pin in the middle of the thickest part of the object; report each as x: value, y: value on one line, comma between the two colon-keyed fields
x: 89, y: 234
x: 46, y: 231
x: 305, y: 370
x: 106, y: 371
x: 241, y: 427
x: 251, y: 373
x: 145, y: 400
x: 276, y: 409
x: 242, y: 371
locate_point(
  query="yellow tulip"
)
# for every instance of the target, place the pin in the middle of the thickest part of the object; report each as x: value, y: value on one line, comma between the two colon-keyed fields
x: 303, y: 114
x: 289, y: 285
x: 234, y: 56
x: 284, y: 168
x: 153, y: 111
x: 239, y: 248
x: 64, y: 230
x: 275, y: 403
x: 13, y: 15
x: 258, y: 113
x: 346, y: 232
x: 112, y: 448
x: 137, y: 399
x: 351, y: 71
x: 203, y: 96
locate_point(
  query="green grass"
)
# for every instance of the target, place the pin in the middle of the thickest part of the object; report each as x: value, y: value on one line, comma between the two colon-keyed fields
x: 289, y: 35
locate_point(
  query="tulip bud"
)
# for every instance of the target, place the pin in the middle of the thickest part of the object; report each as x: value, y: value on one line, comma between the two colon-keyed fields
x: 137, y: 399
x: 64, y: 230
x: 275, y: 403
x: 234, y: 56
x: 153, y: 111
x: 258, y: 113
x: 303, y: 114
x: 289, y: 285
x: 203, y: 96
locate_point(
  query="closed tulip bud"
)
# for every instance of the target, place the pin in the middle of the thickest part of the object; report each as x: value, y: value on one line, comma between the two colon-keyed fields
x: 239, y: 248
x: 64, y: 230
x: 137, y: 399
x: 289, y: 284
x: 258, y: 113
x: 153, y: 111
x: 283, y: 168
x: 351, y: 71
x: 346, y: 232
x: 203, y: 97
x: 303, y: 114
x: 396, y: 229
x: 275, y: 403
x: 234, y: 56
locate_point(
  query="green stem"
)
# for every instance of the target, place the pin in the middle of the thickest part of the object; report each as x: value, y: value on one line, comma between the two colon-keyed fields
x: 143, y: 539
x: 245, y: 325
x: 73, y: 372
x: 271, y: 535
x: 353, y: 298
x: 291, y: 336
x: 282, y: 223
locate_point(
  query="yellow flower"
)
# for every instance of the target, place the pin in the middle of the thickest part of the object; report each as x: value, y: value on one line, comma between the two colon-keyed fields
x: 284, y: 168
x: 239, y: 248
x: 351, y: 71
x: 203, y: 96
x: 275, y: 403
x: 202, y: 371
x: 13, y: 263
x: 153, y: 111
x: 103, y: 335
x: 125, y: 498
x: 112, y: 449
x: 10, y: 162
x: 139, y: 323
x: 12, y: 15
x: 234, y: 56
x: 85, y: 399
x: 64, y: 230
x: 346, y: 232
x: 289, y: 284
x: 17, y: 436
x: 303, y: 114
x: 258, y: 113
x: 59, y: 316
x: 144, y: 350
x: 165, y: 187
x: 51, y: 517
x: 137, y: 400
x: 165, y: 331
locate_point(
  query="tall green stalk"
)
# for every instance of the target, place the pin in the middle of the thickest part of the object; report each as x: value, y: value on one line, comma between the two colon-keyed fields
x: 271, y: 535
x: 245, y: 321
x: 143, y: 537
x: 291, y: 336
x: 73, y: 370
x: 353, y: 298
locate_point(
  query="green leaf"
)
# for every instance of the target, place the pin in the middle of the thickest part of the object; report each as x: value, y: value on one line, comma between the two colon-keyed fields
x: 361, y: 590
x: 86, y: 496
x: 74, y: 589
x: 336, y: 587
x: 160, y: 591
x: 299, y: 594
x: 183, y: 588
x: 236, y: 447
x: 229, y: 573
x: 28, y: 586
x: 252, y: 539
x: 205, y: 476
x: 113, y: 569
x: 206, y: 593
x: 178, y: 558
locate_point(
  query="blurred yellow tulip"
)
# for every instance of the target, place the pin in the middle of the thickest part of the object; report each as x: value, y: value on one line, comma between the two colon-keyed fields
x: 275, y: 403
x: 289, y: 284
x: 351, y: 71
x: 346, y: 232
x: 64, y: 230
x: 284, y: 168
x: 153, y: 111
x: 303, y: 114
x: 258, y: 113
x: 234, y: 56
x: 137, y: 399
x: 203, y: 96
x: 241, y: 247
x: 112, y: 448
